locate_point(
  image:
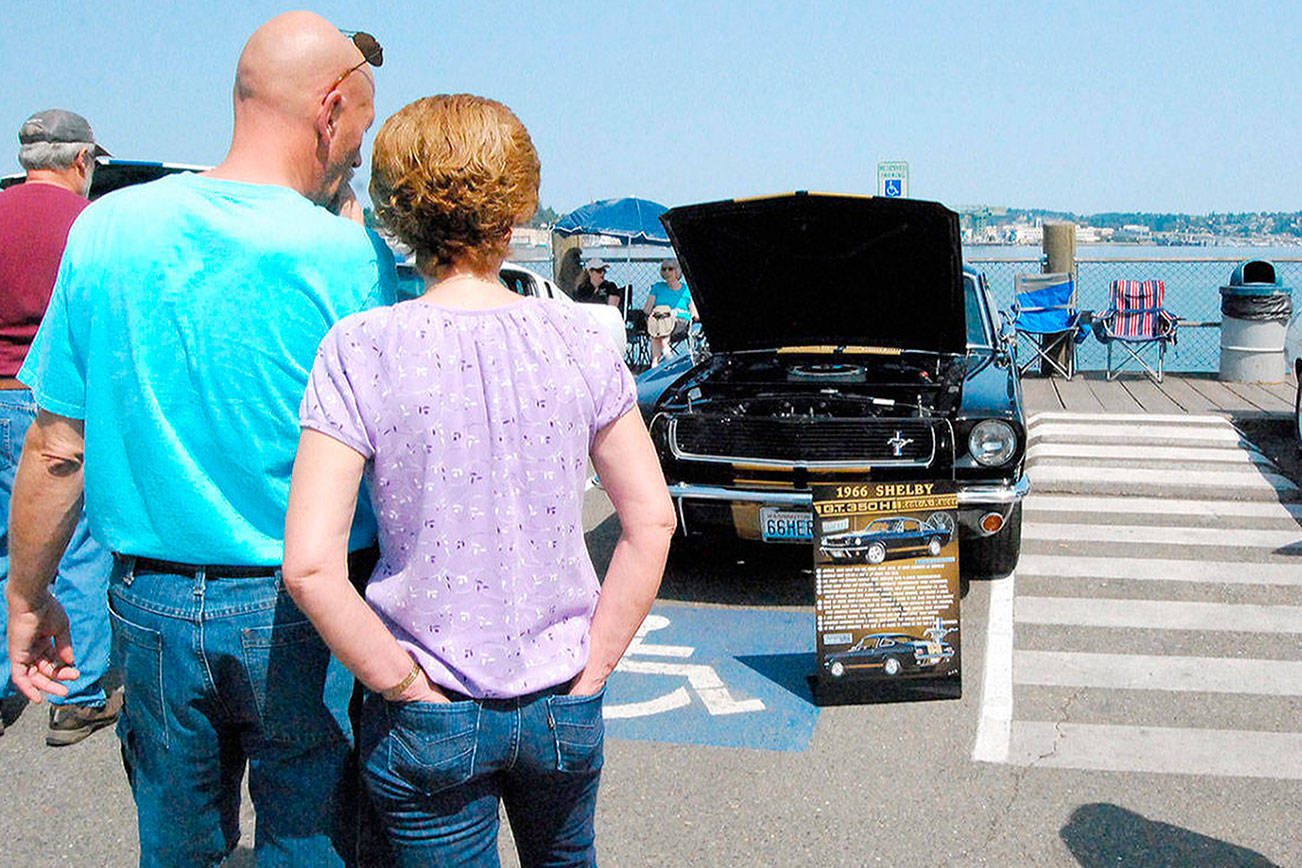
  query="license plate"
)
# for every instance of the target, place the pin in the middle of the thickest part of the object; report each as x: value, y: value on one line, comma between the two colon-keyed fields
x: 786, y: 525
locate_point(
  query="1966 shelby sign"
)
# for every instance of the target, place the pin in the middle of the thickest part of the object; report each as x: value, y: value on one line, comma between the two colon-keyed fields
x: 887, y: 594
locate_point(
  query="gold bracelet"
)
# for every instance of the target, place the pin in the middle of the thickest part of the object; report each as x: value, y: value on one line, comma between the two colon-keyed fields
x: 394, y: 693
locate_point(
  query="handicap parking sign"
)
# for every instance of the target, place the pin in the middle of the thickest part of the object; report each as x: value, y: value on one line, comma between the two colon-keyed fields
x: 722, y: 677
x: 893, y: 179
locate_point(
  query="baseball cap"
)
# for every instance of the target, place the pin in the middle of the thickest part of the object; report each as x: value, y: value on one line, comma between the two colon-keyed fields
x: 58, y: 125
x: 596, y: 264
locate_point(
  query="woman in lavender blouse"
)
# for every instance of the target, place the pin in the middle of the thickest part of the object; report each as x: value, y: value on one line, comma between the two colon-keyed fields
x: 471, y: 414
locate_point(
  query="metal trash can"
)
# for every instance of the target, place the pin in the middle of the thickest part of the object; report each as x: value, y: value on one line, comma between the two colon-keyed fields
x: 1255, y: 310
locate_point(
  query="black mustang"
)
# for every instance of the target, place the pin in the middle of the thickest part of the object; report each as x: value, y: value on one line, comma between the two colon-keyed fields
x: 895, y: 537
x: 845, y: 338
x: 890, y: 652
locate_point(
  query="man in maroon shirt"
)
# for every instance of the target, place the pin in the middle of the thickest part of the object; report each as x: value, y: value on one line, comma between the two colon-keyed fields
x: 58, y: 151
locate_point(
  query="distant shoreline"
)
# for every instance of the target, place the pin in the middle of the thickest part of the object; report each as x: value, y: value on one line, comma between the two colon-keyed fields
x: 1231, y: 243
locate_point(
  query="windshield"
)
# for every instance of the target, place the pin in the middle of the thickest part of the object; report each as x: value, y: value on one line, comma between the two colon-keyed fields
x: 978, y: 319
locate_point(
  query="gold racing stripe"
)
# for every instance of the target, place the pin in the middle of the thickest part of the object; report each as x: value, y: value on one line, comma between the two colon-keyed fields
x: 830, y: 349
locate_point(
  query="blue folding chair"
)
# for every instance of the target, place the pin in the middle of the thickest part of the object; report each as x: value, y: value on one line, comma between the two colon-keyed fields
x: 1044, y: 313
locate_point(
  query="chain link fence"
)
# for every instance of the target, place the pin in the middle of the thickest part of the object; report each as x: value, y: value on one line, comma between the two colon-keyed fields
x: 1192, y: 293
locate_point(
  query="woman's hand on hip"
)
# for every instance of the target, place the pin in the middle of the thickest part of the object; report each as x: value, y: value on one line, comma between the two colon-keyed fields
x: 423, y: 690
x: 584, y: 685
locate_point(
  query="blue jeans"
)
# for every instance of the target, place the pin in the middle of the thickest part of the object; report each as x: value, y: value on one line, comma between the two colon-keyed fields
x: 82, y: 581
x: 220, y: 671
x: 436, y: 773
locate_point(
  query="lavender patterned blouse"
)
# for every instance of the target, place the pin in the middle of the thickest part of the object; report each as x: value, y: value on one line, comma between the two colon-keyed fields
x: 476, y: 426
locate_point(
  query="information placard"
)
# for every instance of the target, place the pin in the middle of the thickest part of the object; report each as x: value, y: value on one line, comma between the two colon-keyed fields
x: 887, y: 582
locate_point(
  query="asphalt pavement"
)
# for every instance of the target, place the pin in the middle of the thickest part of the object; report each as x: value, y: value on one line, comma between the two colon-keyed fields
x: 1130, y: 696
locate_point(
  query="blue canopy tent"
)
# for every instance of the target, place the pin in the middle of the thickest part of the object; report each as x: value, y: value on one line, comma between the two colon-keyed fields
x: 633, y: 221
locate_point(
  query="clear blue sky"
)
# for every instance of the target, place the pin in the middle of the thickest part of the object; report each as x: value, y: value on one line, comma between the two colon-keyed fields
x: 1092, y: 106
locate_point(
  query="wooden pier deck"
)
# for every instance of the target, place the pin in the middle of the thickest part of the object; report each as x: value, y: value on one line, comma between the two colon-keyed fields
x: 1091, y: 392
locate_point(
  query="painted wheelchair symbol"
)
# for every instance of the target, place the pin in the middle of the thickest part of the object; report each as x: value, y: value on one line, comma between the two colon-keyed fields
x: 702, y: 680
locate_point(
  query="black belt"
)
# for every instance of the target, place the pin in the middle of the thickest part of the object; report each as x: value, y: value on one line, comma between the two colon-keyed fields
x: 214, y: 571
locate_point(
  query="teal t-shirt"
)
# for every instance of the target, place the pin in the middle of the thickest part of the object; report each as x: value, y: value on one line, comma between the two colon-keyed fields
x: 182, y: 329
x: 678, y: 299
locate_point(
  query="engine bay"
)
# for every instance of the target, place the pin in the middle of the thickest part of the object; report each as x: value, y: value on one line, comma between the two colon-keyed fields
x: 774, y: 385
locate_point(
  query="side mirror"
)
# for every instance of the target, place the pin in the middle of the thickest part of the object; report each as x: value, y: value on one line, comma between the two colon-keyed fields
x: 1007, y: 333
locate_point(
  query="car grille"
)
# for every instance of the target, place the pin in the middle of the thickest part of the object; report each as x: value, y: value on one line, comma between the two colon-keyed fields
x: 804, y: 441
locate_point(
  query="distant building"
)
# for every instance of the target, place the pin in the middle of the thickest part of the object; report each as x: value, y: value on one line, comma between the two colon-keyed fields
x: 1028, y: 235
x: 1094, y: 234
x: 523, y: 236
x: 1133, y: 233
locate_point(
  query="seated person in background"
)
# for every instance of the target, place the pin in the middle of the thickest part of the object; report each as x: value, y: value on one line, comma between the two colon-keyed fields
x: 594, y: 288
x: 669, y: 292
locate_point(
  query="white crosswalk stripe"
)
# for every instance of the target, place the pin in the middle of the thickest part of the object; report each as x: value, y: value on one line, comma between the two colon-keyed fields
x: 1185, y: 536
x: 1167, y: 672
x: 1045, y: 452
x: 1137, y: 622
x: 1158, y: 570
x: 1039, y: 503
x: 1207, y: 482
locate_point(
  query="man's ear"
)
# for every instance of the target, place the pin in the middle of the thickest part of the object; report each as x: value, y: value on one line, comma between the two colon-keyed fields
x: 327, y: 118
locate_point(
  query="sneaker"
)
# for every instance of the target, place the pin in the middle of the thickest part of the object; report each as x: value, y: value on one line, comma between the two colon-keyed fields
x: 69, y: 724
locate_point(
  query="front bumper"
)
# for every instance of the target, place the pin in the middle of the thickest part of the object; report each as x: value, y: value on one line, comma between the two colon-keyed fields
x: 974, y: 502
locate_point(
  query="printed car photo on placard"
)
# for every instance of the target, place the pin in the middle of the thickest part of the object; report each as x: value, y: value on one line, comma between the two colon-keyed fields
x: 887, y: 574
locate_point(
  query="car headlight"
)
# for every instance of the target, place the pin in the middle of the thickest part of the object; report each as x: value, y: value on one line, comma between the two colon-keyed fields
x: 992, y: 442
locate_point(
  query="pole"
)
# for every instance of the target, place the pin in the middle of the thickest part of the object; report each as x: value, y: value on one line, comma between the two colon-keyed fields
x: 1059, y: 242
x: 564, y: 272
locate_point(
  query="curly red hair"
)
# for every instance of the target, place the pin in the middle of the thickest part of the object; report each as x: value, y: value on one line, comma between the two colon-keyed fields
x: 452, y: 175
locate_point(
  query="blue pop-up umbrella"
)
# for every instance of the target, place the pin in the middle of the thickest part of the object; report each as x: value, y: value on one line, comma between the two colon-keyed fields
x: 630, y: 219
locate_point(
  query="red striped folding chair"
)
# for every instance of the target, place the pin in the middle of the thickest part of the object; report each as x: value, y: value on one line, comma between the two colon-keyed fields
x: 1137, y: 322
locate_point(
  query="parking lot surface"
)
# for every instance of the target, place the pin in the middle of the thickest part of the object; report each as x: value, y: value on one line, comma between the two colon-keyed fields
x: 1130, y: 695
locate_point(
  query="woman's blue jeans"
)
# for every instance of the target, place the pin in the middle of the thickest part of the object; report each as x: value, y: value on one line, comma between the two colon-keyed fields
x: 220, y: 672
x: 437, y: 772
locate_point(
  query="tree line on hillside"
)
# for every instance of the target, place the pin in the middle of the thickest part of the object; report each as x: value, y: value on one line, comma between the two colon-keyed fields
x: 1243, y: 222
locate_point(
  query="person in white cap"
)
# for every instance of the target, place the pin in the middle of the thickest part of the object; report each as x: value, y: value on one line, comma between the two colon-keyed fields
x: 58, y: 150
x: 594, y: 288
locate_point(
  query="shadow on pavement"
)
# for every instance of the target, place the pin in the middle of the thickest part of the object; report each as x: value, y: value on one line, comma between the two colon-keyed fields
x: 1277, y: 440
x: 788, y: 671
x: 724, y: 570
x: 1274, y: 436
x: 736, y: 572
x: 730, y: 571
x: 1102, y: 834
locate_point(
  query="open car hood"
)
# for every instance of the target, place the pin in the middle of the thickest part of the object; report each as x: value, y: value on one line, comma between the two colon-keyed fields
x: 815, y: 269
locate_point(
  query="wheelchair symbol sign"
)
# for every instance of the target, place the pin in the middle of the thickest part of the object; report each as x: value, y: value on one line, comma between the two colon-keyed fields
x: 701, y: 678
x: 893, y: 179
x: 709, y: 676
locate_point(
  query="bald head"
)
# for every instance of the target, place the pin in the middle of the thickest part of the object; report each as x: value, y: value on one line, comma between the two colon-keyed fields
x: 304, y: 98
x: 289, y: 63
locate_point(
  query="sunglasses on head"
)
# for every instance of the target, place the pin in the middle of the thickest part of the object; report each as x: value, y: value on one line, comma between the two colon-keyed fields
x: 370, y: 48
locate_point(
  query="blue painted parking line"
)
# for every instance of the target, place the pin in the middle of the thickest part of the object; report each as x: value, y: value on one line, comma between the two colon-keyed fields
x: 724, y: 677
